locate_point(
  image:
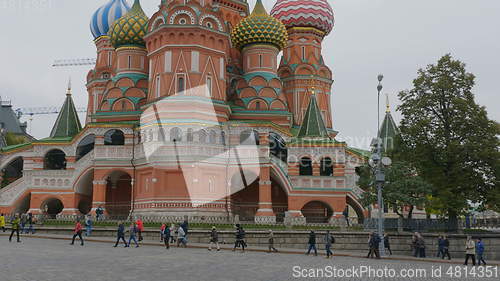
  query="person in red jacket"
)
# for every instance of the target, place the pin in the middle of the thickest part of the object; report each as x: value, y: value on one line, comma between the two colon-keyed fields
x: 140, y: 228
x: 77, y: 232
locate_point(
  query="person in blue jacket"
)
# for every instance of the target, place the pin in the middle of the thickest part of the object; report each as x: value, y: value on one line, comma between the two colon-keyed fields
x: 480, y: 251
x: 120, y: 234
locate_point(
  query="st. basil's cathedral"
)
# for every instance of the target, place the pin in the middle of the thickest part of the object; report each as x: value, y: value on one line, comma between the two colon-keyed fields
x: 206, y: 109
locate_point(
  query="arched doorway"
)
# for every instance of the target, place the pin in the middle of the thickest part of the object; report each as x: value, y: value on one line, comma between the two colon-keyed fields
x: 244, y: 195
x: 118, y: 194
x: 279, y: 199
x: 277, y: 146
x: 55, y: 159
x: 355, y: 210
x: 23, y: 205
x: 12, y: 172
x: 52, y: 207
x: 114, y: 137
x: 85, y: 146
x: 84, y: 191
x: 317, y: 212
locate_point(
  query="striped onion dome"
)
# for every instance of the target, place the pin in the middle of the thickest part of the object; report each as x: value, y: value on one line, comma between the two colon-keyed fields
x: 305, y: 13
x: 104, y: 17
x: 130, y: 29
x: 259, y: 28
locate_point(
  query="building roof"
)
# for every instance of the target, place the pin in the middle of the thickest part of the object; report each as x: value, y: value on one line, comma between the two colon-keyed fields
x: 388, y: 131
x: 9, y: 120
x: 67, y: 123
x: 313, y: 125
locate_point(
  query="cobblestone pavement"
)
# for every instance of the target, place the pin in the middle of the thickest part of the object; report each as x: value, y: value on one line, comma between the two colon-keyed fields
x: 54, y: 260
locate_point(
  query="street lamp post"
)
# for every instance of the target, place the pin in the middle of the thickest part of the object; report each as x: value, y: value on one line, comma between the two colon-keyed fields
x: 379, y: 162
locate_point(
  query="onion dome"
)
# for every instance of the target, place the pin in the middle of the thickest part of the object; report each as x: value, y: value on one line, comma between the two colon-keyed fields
x: 305, y: 13
x: 104, y: 17
x: 259, y: 27
x: 130, y: 29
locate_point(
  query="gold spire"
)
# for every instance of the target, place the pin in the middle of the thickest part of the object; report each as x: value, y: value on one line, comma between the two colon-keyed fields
x: 68, y: 93
x: 387, y: 106
x: 259, y: 9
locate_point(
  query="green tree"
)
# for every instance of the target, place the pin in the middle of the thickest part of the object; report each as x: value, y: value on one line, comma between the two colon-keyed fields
x: 403, y: 188
x: 449, y: 138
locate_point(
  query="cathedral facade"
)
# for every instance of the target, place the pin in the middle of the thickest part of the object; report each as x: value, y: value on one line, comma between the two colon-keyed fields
x: 207, y: 108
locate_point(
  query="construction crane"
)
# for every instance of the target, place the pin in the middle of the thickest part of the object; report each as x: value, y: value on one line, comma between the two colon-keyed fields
x: 32, y: 111
x: 74, y: 62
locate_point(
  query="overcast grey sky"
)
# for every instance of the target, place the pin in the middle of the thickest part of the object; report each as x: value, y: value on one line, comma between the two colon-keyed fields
x: 394, y: 37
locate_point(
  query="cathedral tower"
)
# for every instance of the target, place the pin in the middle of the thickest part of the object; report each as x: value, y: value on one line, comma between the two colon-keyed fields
x: 302, y: 65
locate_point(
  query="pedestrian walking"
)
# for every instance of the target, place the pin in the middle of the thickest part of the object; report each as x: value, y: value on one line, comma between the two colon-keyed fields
x: 312, y: 243
x: 181, y: 237
x: 120, y: 235
x: 99, y: 212
x: 173, y: 233
x: 185, y: 227
x: 88, y: 225
x: 470, y: 251
x: 133, y: 235
x: 140, y: 228
x: 24, y: 220
x: 387, y: 243
x: 166, y: 237
x: 240, y: 238
x: 446, y: 248
x: 162, y: 230
x: 345, y: 213
x: 329, y: 240
x: 440, y: 251
x: 271, y: 241
x: 214, y: 239
x: 15, y: 228
x: 373, y: 244
x: 30, y: 221
x: 77, y: 232
x: 480, y: 252
x: 2, y: 222
x: 414, y: 246
x: 420, y: 245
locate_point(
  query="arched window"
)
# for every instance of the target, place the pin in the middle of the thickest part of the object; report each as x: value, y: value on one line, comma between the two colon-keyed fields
x: 12, y: 172
x: 55, y: 160
x: 175, y: 135
x: 181, y: 84
x: 223, y: 138
x: 114, y: 137
x: 326, y: 168
x: 202, y: 136
x: 249, y: 137
x: 277, y: 146
x: 213, y: 137
x: 306, y: 168
x: 190, y: 135
x: 85, y: 146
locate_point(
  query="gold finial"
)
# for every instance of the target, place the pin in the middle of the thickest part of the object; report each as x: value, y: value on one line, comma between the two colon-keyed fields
x: 388, y: 108
x: 68, y: 93
x: 259, y: 9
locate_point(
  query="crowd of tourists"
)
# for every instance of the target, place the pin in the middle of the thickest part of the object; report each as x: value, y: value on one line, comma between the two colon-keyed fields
x: 178, y: 234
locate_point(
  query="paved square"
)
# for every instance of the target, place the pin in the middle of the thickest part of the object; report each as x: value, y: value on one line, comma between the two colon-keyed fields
x: 54, y: 260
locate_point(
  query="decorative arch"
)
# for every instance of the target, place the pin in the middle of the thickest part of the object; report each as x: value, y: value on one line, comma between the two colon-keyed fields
x: 55, y: 159
x: 123, y: 104
x: 182, y: 12
x: 357, y: 207
x: 114, y: 137
x: 278, y: 105
x: 214, y: 18
x: 156, y: 23
x: 305, y: 70
x: 85, y: 146
x: 316, y: 211
x: 258, y: 104
x: 52, y: 206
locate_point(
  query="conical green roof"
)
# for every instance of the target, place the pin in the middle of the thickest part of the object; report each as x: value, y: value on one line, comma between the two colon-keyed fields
x: 313, y: 125
x: 67, y: 123
x: 388, y: 131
